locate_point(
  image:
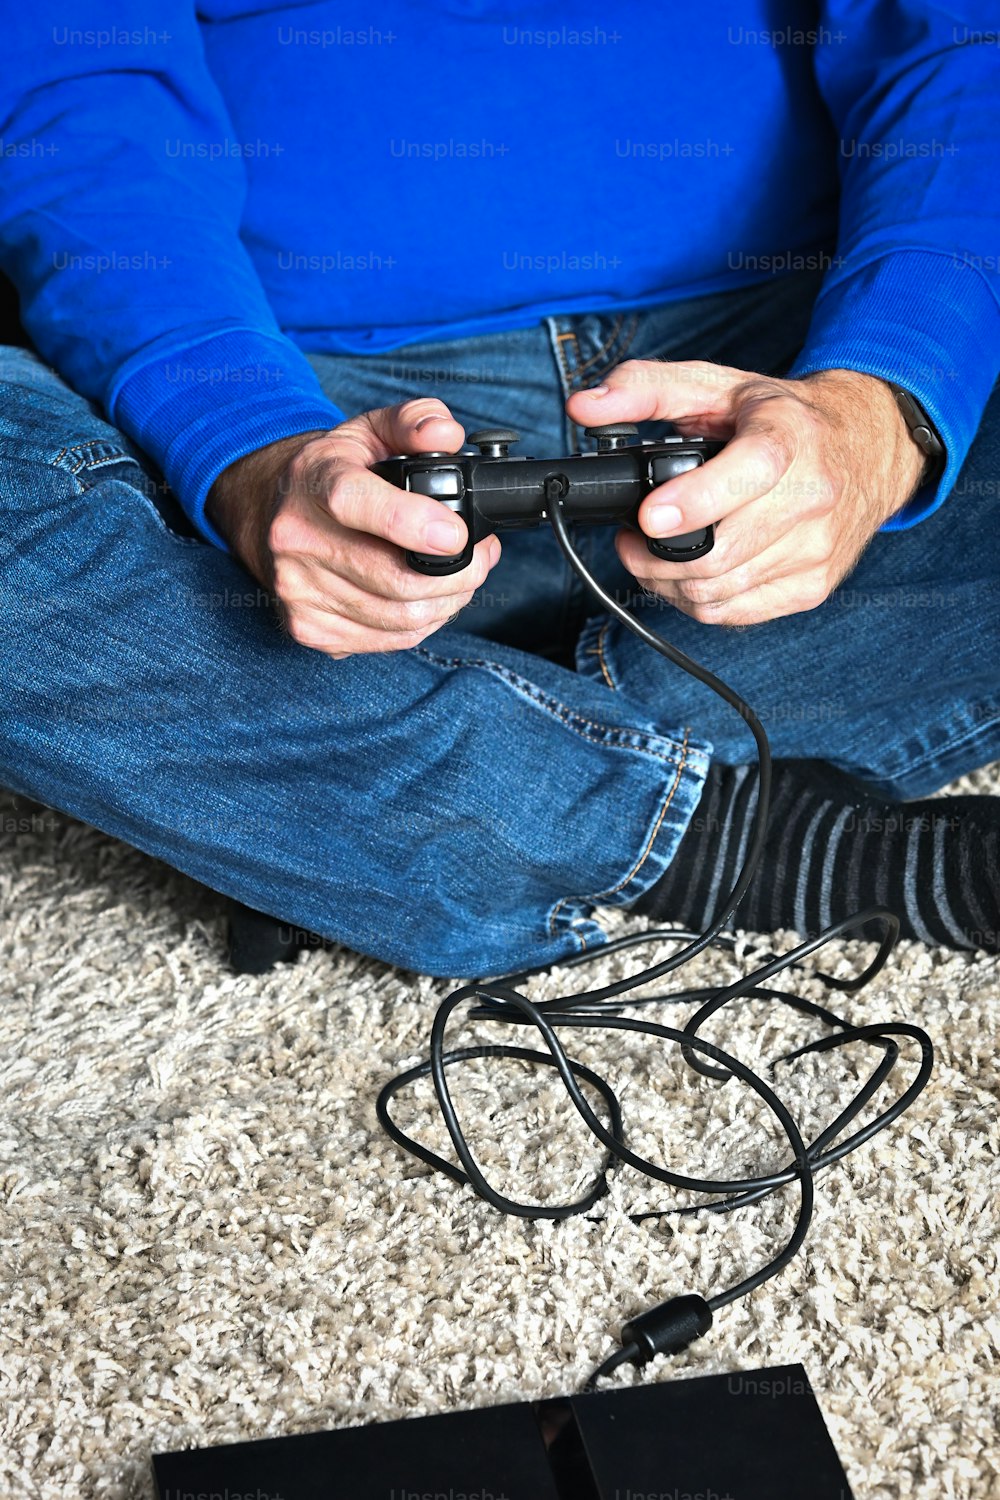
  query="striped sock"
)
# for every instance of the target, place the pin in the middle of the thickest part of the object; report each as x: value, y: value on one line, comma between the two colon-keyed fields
x: 833, y: 847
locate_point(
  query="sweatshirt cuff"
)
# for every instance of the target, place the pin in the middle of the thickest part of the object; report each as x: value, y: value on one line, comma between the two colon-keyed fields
x: 198, y: 408
x: 931, y: 323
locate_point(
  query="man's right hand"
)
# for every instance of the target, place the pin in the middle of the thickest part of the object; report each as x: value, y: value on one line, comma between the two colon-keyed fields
x: 309, y: 520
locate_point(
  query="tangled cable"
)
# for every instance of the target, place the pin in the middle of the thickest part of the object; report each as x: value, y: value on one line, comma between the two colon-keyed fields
x: 675, y: 1323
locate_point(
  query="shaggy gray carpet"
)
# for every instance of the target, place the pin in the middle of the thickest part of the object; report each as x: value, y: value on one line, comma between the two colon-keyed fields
x: 205, y: 1237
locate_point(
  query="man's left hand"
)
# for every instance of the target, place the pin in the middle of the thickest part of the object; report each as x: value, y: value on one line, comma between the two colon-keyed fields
x: 811, y: 470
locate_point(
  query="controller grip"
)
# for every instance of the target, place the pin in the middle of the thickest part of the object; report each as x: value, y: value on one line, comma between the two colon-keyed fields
x: 683, y: 548
x: 689, y: 544
x: 436, y: 565
x: 443, y: 483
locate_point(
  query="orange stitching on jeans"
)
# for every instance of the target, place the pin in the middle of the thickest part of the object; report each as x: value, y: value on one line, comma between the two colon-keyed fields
x: 663, y: 812
x: 598, y: 651
x: 603, y: 660
x: 561, y: 353
x: 583, y: 365
x: 572, y: 720
x: 84, y: 455
x: 605, y: 348
x: 575, y: 722
x: 602, y: 351
x: 649, y: 844
x: 626, y: 346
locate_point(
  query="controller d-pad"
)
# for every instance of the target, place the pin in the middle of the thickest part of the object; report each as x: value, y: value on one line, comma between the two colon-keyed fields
x: 440, y: 484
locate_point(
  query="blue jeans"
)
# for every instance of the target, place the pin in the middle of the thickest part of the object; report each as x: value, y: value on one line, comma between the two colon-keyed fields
x: 460, y: 808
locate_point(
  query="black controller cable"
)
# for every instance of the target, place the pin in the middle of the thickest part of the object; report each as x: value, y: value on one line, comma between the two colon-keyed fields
x: 672, y: 1325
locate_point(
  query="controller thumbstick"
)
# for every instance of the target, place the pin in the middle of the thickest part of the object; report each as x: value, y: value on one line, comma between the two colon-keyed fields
x: 613, y: 436
x: 492, y: 441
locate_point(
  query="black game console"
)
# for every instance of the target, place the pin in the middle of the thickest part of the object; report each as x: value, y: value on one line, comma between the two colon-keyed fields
x: 493, y: 492
x: 756, y: 1435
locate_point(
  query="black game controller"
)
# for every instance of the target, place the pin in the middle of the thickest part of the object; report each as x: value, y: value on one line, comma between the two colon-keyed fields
x: 493, y: 492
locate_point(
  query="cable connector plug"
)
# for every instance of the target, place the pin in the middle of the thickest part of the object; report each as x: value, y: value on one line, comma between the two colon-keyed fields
x: 668, y: 1327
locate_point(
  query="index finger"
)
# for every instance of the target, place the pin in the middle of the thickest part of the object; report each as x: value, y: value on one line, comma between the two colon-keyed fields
x: 751, y: 465
x: 361, y: 501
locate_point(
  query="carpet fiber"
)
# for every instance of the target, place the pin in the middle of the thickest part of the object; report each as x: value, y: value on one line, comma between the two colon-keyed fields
x: 205, y: 1237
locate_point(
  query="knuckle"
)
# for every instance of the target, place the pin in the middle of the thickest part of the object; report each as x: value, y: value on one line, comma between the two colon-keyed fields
x: 776, y: 450
x: 391, y: 515
x: 742, y: 581
x: 705, y: 369
x: 820, y: 549
x: 756, y: 390
x: 405, y: 639
x: 346, y: 491
x: 824, y: 543
x: 406, y: 584
x: 313, y: 470
x: 449, y: 606
x: 701, y: 591
x: 301, y: 629
x: 756, y: 402
x: 718, y: 561
x: 708, y: 614
x: 287, y: 533
x: 299, y: 466
x: 815, y: 591
x: 415, y: 614
x: 629, y: 372
x: 825, y: 492
x: 804, y: 417
x: 284, y: 575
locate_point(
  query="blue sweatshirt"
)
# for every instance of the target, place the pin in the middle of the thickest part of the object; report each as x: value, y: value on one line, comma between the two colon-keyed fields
x: 189, y: 199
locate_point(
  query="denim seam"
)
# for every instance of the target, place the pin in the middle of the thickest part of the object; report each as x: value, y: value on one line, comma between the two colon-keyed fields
x: 613, y: 890
x: 602, y: 659
x: 616, y: 738
x: 574, y: 430
x: 87, y: 459
x: 608, y: 342
x: 561, y: 356
x: 628, y: 338
x: 575, y: 378
x: 92, y: 465
x: 581, y: 364
x: 597, y: 649
x: 604, y: 352
x: 929, y: 756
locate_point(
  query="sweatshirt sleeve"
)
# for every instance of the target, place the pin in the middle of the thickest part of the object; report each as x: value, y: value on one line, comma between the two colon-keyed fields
x: 913, y: 294
x: 121, y: 196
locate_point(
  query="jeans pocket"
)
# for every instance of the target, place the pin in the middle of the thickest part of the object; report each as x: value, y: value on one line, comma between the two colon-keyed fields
x: 93, y: 463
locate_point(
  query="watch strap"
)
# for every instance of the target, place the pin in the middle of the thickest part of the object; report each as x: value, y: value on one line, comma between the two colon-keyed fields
x: 922, y: 431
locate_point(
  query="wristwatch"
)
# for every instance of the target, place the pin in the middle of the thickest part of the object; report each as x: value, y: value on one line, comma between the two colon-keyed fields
x: 922, y: 431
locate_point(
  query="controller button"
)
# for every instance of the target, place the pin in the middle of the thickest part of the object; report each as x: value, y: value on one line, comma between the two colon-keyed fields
x: 662, y: 469
x: 441, y: 484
